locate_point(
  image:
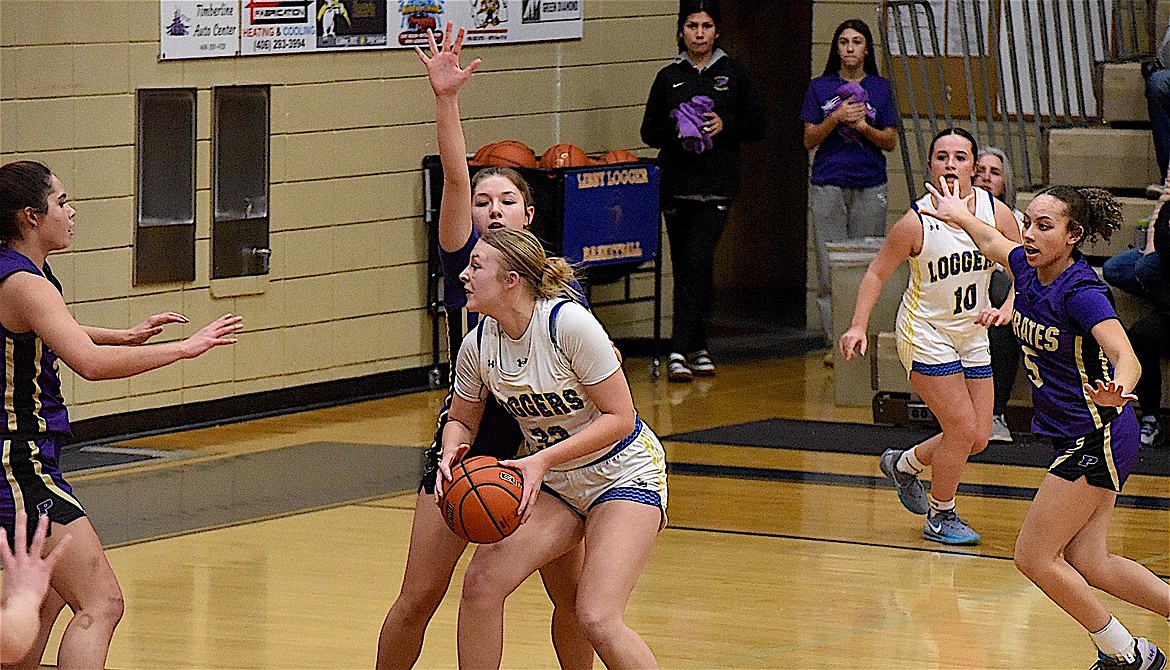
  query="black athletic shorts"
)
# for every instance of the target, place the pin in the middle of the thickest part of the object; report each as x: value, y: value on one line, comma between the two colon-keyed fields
x: 33, y: 482
x: 499, y: 436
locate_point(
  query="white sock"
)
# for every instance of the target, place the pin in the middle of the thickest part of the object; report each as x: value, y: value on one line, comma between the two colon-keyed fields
x: 909, y: 463
x: 1114, y: 640
x: 940, y: 506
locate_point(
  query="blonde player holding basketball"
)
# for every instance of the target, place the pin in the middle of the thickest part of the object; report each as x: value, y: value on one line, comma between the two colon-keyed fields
x: 942, y: 336
x: 495, y: 198
x: 602, y: 471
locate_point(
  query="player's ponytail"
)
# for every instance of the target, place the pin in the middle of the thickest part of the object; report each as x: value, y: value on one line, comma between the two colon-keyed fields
x: 1094, y: 211
x: 23, y: 184
x: 522, y: 253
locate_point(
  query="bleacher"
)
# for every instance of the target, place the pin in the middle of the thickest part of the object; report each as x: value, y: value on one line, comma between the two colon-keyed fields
x: 1105, y: 142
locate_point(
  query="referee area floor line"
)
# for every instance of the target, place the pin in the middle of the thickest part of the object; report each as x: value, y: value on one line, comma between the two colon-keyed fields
x: 941, y: 549
x: 1001, y: 491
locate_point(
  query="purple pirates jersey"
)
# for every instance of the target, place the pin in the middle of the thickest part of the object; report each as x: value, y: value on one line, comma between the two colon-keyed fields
x: 32, y: 403
x: 1053, y: 325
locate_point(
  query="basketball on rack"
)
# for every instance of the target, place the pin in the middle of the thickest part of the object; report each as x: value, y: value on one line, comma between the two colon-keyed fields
x: 481, y: 501
x: 619, y: 156
x: 508, y: 153
x: 565, y: 155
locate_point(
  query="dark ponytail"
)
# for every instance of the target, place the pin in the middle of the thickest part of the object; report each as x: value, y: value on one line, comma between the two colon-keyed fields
x: 1094, y: 211
x: 22, y: 184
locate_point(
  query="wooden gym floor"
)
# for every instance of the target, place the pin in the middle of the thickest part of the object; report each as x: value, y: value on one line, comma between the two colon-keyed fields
x: 749, y: 574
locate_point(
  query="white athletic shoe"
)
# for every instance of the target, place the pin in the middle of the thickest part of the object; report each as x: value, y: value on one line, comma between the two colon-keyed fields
x: 677, y: 370
x: 1151, y: 432
x: 999, y: 429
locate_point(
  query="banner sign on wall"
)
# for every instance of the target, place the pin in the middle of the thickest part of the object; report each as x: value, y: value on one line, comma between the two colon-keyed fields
x: 199, y: 28
x: 209, y: 28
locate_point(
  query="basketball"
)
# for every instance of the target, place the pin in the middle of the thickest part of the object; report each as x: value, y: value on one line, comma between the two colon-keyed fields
x: 619, y: 156
x: 480, y: 502
x: 508, y: 153
x: 565, y: 155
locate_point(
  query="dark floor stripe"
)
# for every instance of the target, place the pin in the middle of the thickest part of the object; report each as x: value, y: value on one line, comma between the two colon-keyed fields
x: 957, y: 551
x: 863, y: 481
x: 195, y: 495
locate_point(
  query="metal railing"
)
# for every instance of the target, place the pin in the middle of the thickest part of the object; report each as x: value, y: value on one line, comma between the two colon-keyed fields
x: 1006, y: 70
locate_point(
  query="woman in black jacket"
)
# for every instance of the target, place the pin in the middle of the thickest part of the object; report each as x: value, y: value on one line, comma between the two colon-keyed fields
x: 701, y: 107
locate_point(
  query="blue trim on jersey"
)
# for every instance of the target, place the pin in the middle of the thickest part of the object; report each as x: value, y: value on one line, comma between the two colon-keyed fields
x: 977, y: 372
x: 937, y: 369
x: 617, y: 448
x: 552, y: 318
x: 632, y: 494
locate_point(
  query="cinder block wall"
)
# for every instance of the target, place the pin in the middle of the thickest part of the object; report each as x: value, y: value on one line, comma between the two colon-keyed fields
x: 345, y: 297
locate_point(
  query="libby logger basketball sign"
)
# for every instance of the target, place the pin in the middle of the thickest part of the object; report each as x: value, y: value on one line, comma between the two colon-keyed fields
x: 611, y: 214
x: 211, y: 28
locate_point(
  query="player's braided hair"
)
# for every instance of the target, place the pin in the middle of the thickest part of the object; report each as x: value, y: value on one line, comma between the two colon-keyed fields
x: 522, y: 253
x: 1095, y: 211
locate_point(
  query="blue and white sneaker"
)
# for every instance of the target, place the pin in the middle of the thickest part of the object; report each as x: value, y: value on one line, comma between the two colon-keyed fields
x: 1148, y: 657
x: 910, y: 489
x: 948, y: 528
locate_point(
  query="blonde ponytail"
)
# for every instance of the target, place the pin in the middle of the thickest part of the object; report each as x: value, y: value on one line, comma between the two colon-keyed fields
x: 521, y: 252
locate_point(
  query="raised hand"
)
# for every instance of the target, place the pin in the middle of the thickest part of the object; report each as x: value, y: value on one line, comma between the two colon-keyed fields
x: 443, y: 71
x: 948, y: 206
x: 153, y: 325
x: 1109, y: 394
x: 214, y: 334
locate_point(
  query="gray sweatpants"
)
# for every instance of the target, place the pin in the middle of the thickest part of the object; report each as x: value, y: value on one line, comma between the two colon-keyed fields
x: 839, y: 214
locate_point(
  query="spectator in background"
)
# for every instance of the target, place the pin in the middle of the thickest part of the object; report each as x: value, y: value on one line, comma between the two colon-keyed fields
x: 1157, y: 73
x: 993, y: 172
x: 699, y: 159
x: 1145, y: 273
x: 849, y: 118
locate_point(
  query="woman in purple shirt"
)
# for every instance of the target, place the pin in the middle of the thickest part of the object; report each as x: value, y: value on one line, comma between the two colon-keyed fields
x: 849, y: 117
x: 1083, y: 372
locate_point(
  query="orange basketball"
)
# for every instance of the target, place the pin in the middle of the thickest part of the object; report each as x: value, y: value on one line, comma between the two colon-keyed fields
x: 480, y: 502
x: 508, y: 153
x: 619, y: 156
x: 565, y: 155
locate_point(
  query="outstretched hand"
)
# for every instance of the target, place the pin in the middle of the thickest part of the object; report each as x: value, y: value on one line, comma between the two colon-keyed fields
x: 153, y: 325
x: 994, y: 316
x: 26, y: 573
x: 1109, y: 394
x: 214, y: 334
x: 442, y: 64
x: 948, y: 206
